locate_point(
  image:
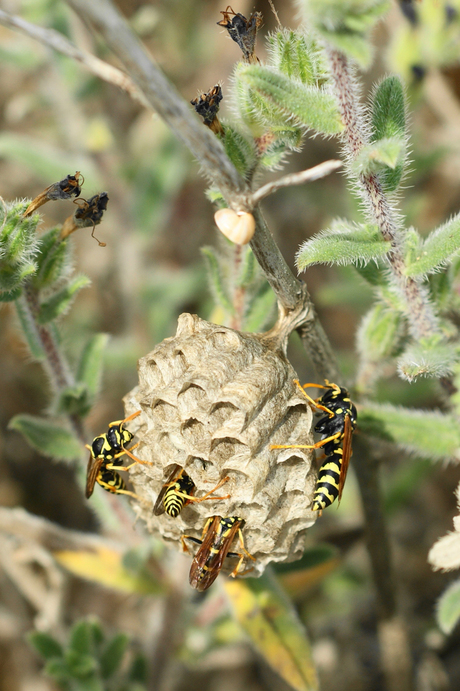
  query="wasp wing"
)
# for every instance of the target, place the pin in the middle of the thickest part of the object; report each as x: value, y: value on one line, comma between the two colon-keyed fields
x: 159, y: 508
x: 346, y: 453
x: 206, y: 567
x: 94, y: 466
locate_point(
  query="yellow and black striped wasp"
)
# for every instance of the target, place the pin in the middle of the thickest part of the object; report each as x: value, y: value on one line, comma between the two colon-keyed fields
x: 217, y: 538
x: 336, y: 429
x: 105, y: 458
x: 178, y: 491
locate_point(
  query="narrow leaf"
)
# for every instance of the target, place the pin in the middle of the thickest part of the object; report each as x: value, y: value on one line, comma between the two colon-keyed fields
x: 429, y: 434
x: 44, y: 644
x: 448, y: 609
x: 60, y: 302
x: 248, y: 268
x: 343, y: 243
x: 378, y: 333
x: 81, y: 638
x: 91, y: 363
x: 261, y: 310
x: 389, y: 124
x: 384, y: 153
x: 29, y: 329
x: 74, y: 400
x: 428, y: 358
x: 46, y: 437
x: 53, y: 259
x: 267, y: 616
x: 112, y: 656
x: 306, y: 105
x: 441, y: 246
x: 297, y: 56
x: 105, y: 566
x: 239, y: 150
x: 216, y: 279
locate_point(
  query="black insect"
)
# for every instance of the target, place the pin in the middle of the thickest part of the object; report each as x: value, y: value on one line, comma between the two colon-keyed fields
x: 105, y: 458
x: 89, y: 213
x: 178, y: 491
x: 243, y: 31
x: 336, y: 429
x: 215, y: 543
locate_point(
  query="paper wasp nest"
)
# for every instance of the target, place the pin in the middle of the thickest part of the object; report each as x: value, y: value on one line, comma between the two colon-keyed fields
x: 213, y: 400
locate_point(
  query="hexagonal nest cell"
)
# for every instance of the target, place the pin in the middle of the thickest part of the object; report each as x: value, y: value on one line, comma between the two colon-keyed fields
x: 213, y: 400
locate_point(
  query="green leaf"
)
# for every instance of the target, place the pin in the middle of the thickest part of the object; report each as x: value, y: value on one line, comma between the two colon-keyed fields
x: 343, y: 243
x: 248, y: 268
x: 307, y: 106
x: 346, y: 24
x: 448, y: 608
x: 44, y: 644
x: 239, y: 150
x: 268, y: 617
x: 58, y: 669
x: 74, y: 400
x: 297, y: 56
x: 111, y: 658
x: 379, y: 333
x: 389, y: 124
x: 80, y: 666
x: 81, y: 638
x: 91, y: 363
x: 429, y: 434
x: 216, y: 279
x: 10, y: 295
x: 46, y: 437
x: 430, y: 357
x: 384, y: 153
x: 60, y: 302
x: 440, y: 247
x: 53, y: 259
x: 261, y: 310
x: 139, y: 671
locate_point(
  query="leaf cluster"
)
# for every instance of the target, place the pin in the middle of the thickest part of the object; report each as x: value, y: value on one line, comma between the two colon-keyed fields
x: 90, y: 661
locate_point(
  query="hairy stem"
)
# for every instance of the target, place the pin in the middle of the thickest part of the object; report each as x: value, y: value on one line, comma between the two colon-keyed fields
x: 55, y: 363
x: 419, y: 311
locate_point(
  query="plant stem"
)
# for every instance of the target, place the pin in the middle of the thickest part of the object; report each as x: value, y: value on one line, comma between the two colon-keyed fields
x: 55, y: 363
x: 419, y: 311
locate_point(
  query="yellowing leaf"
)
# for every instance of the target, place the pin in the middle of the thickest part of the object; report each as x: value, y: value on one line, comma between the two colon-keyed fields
x: 267, y: 616
x: 104, y: 566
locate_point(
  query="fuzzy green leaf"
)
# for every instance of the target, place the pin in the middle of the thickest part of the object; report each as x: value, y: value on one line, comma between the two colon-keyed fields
x: 81, y: 641
x: 91, y: 363
x: 441, y: 246
x: 384, y: 153
x: 248, y: 268
x: 430, y: 357
x: 261, y: 310
x: 216, y: 279
x: 343, y: 243
x: 74, y: 400
x: 239, y: 150
x: 44, y: 644
x: 389, y: 124
x: 448, y: 608
x: 60, y: 302
x: 18, y: 246
x: 306, y: 106
x: 46, y: 437
x: 10, y: 295
x: 57, y: 669
x: 346, y: 23
x: 429, y: 434
x: 53, y: 259
x: 378, y: 333
x: 112, y: 656
x: 80, y: 666
x: 373, y: 273
x: 297, y: 56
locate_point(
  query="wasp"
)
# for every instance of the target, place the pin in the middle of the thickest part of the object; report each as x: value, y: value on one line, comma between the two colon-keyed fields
x: 105, y: 458
x: 336, y: 429
x: 243, y: 31
x: 217, y: 538
x: 178, y: 491
x: 69, y: 187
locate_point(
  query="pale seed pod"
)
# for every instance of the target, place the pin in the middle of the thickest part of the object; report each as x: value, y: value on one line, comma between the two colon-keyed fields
x: 237, y: 227
x: 213, y: 401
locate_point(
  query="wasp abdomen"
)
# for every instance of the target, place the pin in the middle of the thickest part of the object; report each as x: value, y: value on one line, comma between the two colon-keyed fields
x: 327, y: 486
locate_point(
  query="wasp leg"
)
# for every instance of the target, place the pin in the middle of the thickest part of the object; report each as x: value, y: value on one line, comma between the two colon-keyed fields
x: 312, y: 400
x: 207, y: 496
x: 318, y: 444
x: 188, y: 537
x: 135, y: 458
x: 110, y: 488
x: 127, y: 419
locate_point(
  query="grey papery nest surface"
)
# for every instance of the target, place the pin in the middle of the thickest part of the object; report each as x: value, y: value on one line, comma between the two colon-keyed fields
x: 213, y: 400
